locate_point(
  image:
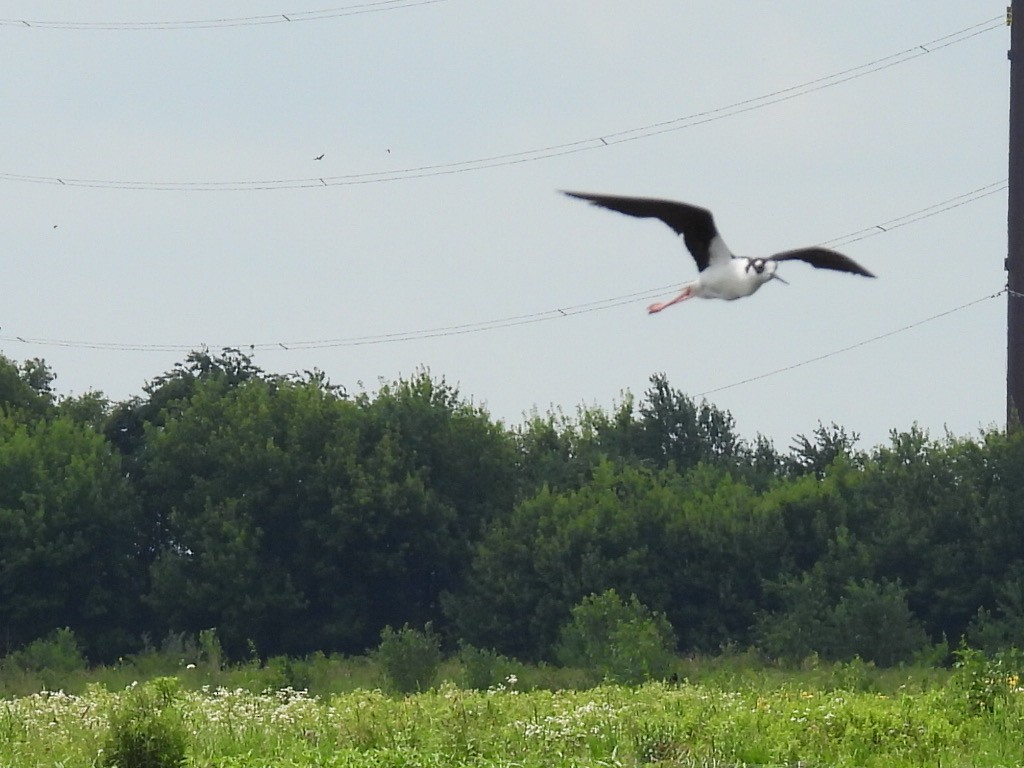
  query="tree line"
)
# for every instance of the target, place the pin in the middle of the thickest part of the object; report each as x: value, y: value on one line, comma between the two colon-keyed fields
x: 293, y: 517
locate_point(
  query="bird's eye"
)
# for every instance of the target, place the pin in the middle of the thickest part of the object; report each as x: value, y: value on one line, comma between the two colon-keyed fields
x: 759, y: 266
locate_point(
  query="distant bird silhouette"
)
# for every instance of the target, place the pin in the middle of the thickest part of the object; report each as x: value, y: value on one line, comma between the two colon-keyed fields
x: 320, y: 156
x: 723, y: 275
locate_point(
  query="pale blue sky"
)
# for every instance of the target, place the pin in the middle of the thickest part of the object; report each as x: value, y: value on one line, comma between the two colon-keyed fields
x: 456, y: 80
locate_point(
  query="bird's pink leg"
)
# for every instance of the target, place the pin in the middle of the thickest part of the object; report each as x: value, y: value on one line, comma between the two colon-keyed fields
x: 687, y: 293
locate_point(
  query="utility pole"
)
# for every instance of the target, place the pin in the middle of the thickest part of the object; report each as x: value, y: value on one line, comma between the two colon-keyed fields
x: 1015, y: 224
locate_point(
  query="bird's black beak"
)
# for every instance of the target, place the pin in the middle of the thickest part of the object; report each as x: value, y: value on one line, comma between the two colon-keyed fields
x: 775, y: 276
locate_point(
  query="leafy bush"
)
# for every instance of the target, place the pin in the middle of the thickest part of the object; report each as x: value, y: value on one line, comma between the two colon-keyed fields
x: 981, y: 682
x: 483, y: 668
x: 54, y: 662
x: 146, y: 728
x: 870, y: 621
x: 210, y: 651
x: 622, y: 642
x: 873, y: 621
x: 58, y: 652
x: 408, y: 658
x: 992, y: 631
x: 799, y: 629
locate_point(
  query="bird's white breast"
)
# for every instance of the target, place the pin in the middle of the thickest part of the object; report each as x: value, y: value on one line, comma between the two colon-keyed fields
x: 730, y: 280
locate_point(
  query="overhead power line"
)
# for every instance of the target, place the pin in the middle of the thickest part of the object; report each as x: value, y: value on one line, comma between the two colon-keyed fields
x: 861, y: 343
x: 359, y: 341
x: 504, y: 323
x: 525, y: 156
x: 924, y: 213
x: 524, y: 319
x: 535, y: 317
x: 240, y: 21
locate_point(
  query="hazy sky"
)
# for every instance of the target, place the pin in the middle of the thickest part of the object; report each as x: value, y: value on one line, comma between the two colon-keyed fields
x: 205, y: 223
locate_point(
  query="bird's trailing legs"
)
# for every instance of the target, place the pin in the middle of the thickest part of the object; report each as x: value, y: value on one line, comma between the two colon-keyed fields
x: 687, y: 293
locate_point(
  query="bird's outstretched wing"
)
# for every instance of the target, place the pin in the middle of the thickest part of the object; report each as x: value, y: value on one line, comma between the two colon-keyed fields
x: 696, y: 225
x: 823, y: 258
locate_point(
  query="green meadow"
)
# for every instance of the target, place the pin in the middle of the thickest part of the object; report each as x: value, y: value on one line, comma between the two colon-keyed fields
x: 726, y: 715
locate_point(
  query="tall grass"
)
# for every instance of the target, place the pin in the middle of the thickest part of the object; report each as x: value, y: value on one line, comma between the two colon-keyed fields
x: 488, y: 710
x: 684, y: 724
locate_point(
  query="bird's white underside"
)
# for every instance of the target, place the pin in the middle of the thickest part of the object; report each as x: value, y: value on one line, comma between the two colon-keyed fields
x: 728, y: 277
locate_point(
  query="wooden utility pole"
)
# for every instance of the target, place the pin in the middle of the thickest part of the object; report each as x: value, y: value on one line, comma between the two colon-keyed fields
x: 1015, y: 224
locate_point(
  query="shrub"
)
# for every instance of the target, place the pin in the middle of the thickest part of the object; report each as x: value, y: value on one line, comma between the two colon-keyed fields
x: 874, y: 622
x: 50, y: 662
x: 210, y: 651
x: 981, y: 681
x: 57, y: 652
x: 622, y: 642
x: 483, y: 669
x: 800, y: 628
x: 1005, y: 627
x: 408, y: 658
x: 870, y: 620
x: 146, y: 728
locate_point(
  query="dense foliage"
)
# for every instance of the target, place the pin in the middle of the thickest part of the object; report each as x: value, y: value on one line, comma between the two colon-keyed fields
x: 293, y: 517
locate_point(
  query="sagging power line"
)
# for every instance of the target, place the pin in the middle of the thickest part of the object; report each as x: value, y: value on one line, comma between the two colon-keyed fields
x: 603, y: 141
x: 924, y: 213
x: 455, y: 330
x: 856, y: 345
x: 507, y: 322
x: 240, y: 21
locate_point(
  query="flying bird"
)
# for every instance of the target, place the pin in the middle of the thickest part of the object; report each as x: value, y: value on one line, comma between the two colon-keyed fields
x: 723, y: 275
x: 320, y: 156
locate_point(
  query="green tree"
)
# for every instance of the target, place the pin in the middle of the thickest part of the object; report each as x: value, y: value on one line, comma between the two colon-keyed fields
x: 929, y: 508
x: 238, y: 475
x: 866, y: 619
x: 428, y: 475
x: 815, y: 456
x: 674, y: 429
x: 665, y: 429
x: 68, y: 536
x: 693, y: 546
x: 799, y: 626
x: 466, y: 460
x: 26, y: 388
x: 302, y: 520
x: 873, y: 621
x: 168, y: 393
x: 129, y: 423
x: 91, y: 408
x: 557, y: 451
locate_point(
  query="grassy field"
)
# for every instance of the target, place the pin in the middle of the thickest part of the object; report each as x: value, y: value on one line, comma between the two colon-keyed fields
x: 970, y: 719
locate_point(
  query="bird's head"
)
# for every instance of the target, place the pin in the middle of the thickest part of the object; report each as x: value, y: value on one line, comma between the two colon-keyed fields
x: 765, y: 269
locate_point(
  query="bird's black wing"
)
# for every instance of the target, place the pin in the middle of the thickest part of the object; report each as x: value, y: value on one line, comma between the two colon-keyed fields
x: 823, y: 258
x: 696, y: 225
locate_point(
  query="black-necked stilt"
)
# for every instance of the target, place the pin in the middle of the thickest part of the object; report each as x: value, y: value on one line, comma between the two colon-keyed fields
x: 722, y: 274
